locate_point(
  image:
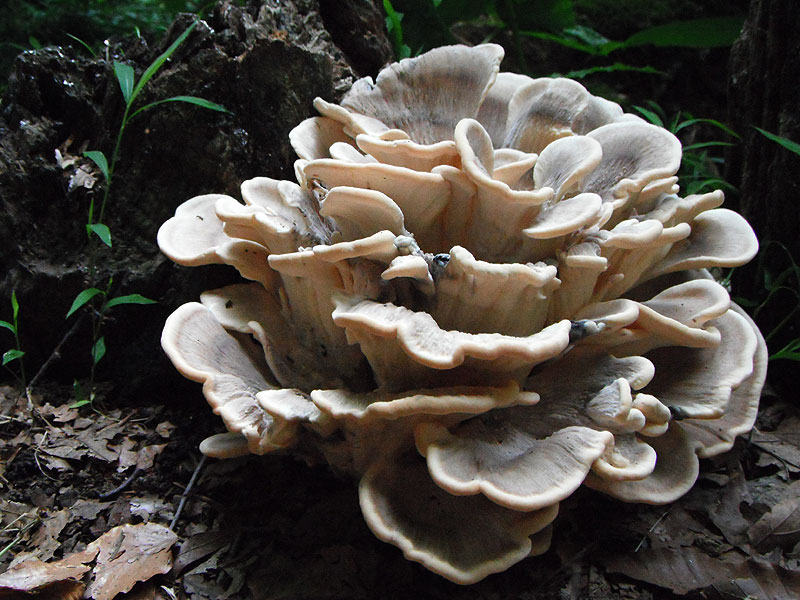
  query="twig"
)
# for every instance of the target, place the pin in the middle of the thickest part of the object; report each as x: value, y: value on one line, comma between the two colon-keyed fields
x: 56, y: 353
x: 19, y: 537
x: 121, y: 486
x: 188, y: 489
x: 644, y: 538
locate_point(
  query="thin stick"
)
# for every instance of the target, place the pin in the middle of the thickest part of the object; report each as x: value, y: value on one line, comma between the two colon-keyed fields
x: 644, y: 539
x: 56, y: 353
x: 188, y: 489
x: 121, y: 486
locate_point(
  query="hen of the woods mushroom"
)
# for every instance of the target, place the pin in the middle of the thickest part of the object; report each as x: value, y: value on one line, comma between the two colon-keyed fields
x: 483, y: 292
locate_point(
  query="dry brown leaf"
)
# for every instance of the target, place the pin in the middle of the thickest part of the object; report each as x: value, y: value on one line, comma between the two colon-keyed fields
x: 45, y: 540
x: 164, y: 429
x: 761, y: 580
x: 200, y: 546
x: 147, y: 456
x: 127, y: 454
x: 680, y: 570
x: 782, y: 444
x: 128, y: 554
x: 60, y: 414
x: 726, y: 514
x: 88, y: 509
x: 34, y: 575
x: 781, y: 525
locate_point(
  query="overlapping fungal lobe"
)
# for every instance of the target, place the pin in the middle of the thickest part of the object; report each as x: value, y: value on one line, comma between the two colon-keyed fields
x: 483, y: 291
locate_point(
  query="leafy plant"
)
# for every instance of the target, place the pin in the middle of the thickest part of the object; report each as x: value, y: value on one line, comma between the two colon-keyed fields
x: 700, y: 165
x: 95, y: 297
x: 30, y: 24
x: 429, y: 23
x: 16, y: 353
x: 779, y: 139
x: 395, y: 30
x: 782, y: 288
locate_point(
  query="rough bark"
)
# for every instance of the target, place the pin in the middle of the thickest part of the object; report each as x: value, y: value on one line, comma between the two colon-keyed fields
x: 265, y: 62
x: 764, y: 91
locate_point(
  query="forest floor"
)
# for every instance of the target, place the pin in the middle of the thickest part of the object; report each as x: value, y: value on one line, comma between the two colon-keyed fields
x: 117, y: 498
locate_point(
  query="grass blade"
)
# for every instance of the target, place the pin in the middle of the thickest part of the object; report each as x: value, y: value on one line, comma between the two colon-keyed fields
x: 581, y: 73
x: 125, y: 76
x: 202, y: 102
x: 99, y: 350
x: 101, y: 231
x: 785, y: 142
x: 129, y: 299
x: 8, y: 326
x: 713, y: 122
x: 12, y: 355
x: 82, y: 299
x: 650, y: 116
x: 82, y: 43
x: 701, y: 145
x: 100, y: 160
x: 14, y: 304
x: 714, y: 32
x: 159, y: 62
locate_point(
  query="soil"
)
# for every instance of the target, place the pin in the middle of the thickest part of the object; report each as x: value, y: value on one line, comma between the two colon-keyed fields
x: 270, y: 527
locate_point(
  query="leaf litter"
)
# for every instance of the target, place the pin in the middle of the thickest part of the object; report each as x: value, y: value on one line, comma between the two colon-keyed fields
x: 87, y: 499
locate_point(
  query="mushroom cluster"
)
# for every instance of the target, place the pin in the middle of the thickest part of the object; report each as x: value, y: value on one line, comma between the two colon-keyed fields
x: 483, y: 292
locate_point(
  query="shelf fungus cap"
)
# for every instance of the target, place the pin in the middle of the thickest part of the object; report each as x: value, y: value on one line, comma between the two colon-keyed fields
x: 483, y: 292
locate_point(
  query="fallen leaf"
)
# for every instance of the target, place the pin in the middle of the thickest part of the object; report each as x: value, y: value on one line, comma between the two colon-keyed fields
x: 725, y: 513
x: 780, y: 526
x: 128, y: 554
x: 164, y: 429
x: 147, y: 456
x: 45, y: 540
x: 200, y: 546
x: 127, y: 455
x: 33, y: 575
x: 681, y: 570
x: 761, y: 580
x: 88, y: 509
x: 782, y: 444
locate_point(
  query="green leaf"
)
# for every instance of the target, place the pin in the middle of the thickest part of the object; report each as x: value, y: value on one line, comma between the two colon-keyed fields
x: 560, y: 39
x: 129, y: 299
x: 82, y: 43
x: 12, y: 355
x: 202, y: 102
x: 713, y: 122
x: 650, y: 116
x: 100, y: 160
x: 125, y: 76
x: 79, y: 403
x: 8, y: 326
x: 395, y: 30
x: 714, y: 32
x: 785, y: 142
x: 14, y: 304
x: 159, y: 62
x: 701, y: 145
x: 35, y: 43
x: 789, y: 352
x: 101, y: 231
x: 581, y: 73
x: 99, y: 350
x: 82, y: 299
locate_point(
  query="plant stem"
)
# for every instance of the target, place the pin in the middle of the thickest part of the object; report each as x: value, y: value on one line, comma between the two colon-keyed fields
x: 114, y: 157
x: 523, y: 64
